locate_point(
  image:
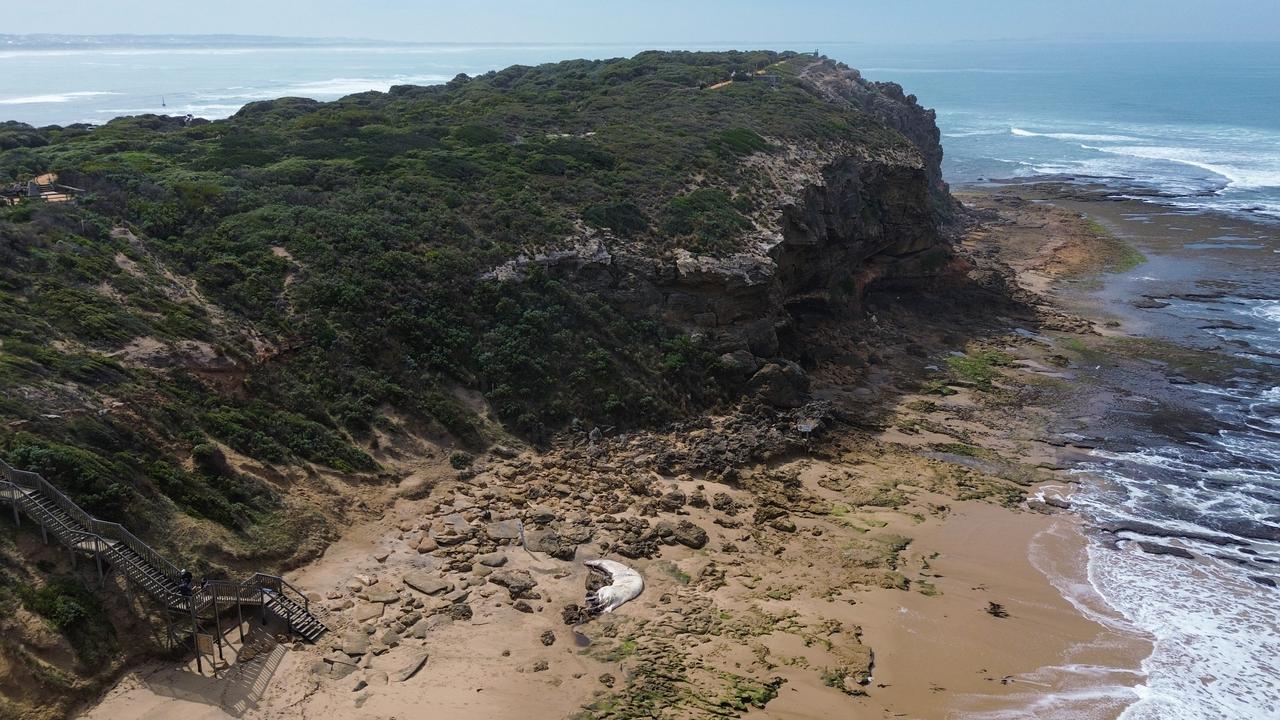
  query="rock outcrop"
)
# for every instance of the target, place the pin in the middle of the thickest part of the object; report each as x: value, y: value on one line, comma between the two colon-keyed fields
x: 839, y: 219
x: 889, y: 103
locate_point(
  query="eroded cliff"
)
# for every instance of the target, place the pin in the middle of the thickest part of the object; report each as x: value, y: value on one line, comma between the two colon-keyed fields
x: 836, y: 217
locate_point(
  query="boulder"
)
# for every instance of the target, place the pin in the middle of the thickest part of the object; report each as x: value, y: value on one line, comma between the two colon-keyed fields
x: 381, y: 594
x: 542, y: 515
x: 368, y: 611
x: 355, y: 642
x: 427, y: 583
x: 419, y: 629
x: 783, y: 524
x: 551, y: 543
x: 517, y: 582
x: 672, y: 501
x: 739, y: 364
x: 503, y: 530
x: 492, y: 560
x: 1157, y: 549
x: 690, y: 535
x: 782, y: 384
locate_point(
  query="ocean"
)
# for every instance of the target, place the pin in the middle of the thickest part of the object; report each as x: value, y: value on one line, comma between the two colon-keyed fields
x: 1190, y: 129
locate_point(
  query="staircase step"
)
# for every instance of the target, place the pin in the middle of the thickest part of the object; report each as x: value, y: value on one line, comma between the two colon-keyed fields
x: 47, y: 513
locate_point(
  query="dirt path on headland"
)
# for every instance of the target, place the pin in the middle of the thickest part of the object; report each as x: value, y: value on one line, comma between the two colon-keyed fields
x: 868, y: 555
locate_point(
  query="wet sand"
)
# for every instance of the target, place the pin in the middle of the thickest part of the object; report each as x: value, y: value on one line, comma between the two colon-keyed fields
x: 950, y: 657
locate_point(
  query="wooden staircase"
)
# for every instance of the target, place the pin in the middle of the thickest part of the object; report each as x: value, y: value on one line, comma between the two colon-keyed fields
x: 111, y: 545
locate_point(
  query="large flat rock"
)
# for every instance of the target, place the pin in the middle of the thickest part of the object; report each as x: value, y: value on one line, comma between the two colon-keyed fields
x: 355, y: 642
x: 381, y: 594
x: 503, y: 530
x: 365, y: 612
x: 426, y: 582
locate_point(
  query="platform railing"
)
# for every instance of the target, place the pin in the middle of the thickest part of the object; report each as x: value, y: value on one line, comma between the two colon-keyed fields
x: 108, y: 539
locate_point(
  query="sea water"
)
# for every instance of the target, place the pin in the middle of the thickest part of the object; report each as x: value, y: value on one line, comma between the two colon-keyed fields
x: 1187, y: 126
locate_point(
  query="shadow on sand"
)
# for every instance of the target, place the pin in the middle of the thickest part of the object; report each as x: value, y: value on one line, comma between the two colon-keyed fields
x: 240, y: 679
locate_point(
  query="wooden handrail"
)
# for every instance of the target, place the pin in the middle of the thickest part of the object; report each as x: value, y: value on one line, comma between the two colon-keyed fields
x: 111, y: 539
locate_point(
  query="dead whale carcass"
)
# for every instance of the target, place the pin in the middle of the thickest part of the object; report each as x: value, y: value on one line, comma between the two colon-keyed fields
x: 625, y: 584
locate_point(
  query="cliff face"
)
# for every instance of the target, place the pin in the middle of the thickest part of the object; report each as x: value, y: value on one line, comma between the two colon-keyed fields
x: 841, y: 219
x: 889, y: 103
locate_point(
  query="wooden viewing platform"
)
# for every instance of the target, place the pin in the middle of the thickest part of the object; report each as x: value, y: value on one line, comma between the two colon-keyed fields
x: 43, y: 188
x: 111, y: 546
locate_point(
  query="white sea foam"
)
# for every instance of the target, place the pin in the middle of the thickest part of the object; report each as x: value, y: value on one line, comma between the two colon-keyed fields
x: 53, y: 98
x: 970, y: 133
x: 1259, y: 170
x: 1077, y: 137
x: 1216, y: 647
x: 1268, y: 310
x: 1216, y: 653
x: 319, y: 89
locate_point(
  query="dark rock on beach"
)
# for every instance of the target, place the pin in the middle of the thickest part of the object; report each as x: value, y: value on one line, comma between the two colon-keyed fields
x: 1157, y: 549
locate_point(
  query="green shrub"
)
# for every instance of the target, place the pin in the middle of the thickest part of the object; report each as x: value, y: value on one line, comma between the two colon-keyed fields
x: 741, y: 141
x: 475, y: 135
x: 78, y: 614
x: 707, y: 217
x: 625, y: 218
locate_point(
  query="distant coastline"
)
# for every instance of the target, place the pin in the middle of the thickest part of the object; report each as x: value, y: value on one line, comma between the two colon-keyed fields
x: 46, y: 40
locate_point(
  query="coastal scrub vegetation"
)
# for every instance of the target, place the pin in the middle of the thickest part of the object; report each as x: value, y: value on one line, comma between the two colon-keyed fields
x: 274, y: 284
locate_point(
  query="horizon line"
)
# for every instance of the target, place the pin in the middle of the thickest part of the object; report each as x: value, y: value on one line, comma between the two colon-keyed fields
x: 261, y: 38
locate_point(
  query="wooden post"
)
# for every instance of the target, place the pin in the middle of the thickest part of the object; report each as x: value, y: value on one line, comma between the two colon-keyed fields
x: 217, y: 624
x: 16, y: 520
x: 168, y: 627
x: 44, y: 533
x: 97, y: 556
x: 240, y: 618
x: 195, y: 635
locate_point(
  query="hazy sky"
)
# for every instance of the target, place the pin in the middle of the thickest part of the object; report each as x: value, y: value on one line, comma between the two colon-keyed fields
x: 663, y: 20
